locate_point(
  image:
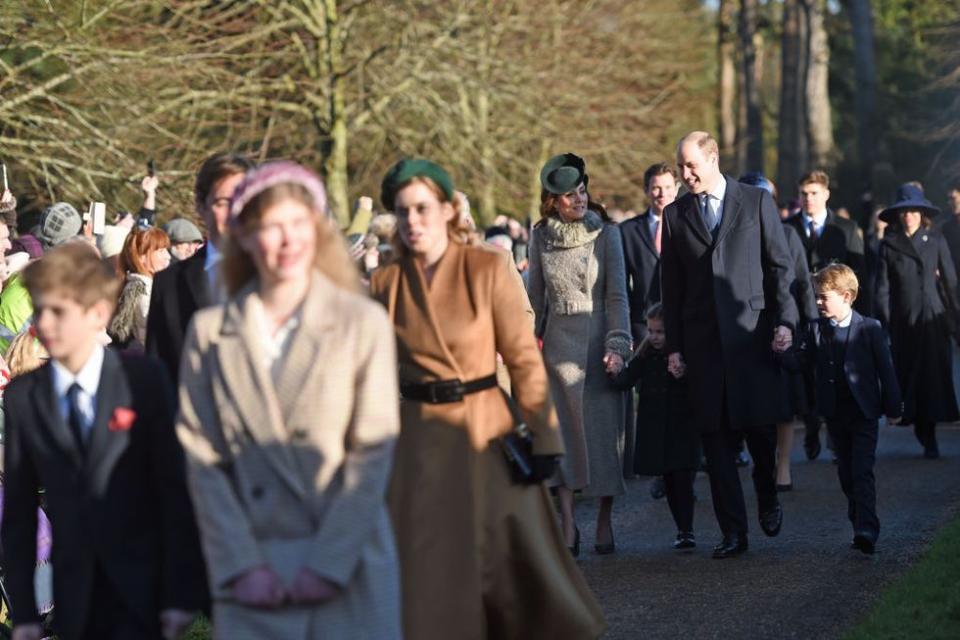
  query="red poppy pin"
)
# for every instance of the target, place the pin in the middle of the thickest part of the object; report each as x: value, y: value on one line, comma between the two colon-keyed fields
x: 122, y: 419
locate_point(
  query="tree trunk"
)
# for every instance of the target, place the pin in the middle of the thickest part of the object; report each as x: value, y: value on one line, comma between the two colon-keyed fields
x: 861, y: 21
x: 792, y: 137
x: 334, y: 147
x: 752, y: 136
x: 534, y: 207
x: 488, y: 205
x: 819, y: 121
x: 726, y: 44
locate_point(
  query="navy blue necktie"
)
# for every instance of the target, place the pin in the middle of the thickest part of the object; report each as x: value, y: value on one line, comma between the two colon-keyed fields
x: 709, y: 218
x: 74, y: 416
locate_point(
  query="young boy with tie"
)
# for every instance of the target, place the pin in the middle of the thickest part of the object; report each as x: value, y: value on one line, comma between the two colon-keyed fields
x: 95, y: 430
x: 855, y: 385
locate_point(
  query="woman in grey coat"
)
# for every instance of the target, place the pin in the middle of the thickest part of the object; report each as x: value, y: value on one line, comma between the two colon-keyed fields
x: 577, y: 287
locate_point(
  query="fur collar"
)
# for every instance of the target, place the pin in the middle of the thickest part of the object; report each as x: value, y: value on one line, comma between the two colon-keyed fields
x: 566, y: 235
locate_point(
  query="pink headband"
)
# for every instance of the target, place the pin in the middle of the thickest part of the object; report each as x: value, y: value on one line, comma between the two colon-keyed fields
x: 258, y: 180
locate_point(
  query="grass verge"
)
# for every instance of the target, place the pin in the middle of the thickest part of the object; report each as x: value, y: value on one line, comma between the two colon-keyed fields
x: 925, y: 601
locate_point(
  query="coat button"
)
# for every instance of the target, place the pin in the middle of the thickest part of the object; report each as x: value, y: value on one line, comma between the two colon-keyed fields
x: 256, y: 492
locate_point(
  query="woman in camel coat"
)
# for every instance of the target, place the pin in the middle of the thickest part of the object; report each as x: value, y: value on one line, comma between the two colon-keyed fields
x: 480, y: 555
x: 288, y: 415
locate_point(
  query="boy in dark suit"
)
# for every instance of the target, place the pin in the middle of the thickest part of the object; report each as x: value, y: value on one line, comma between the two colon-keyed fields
x: 855, y: 385
x: 96, y: 431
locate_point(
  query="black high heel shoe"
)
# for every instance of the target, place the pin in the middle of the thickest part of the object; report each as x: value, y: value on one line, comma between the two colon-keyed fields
x: 575, y: 549
x: 607, y: 548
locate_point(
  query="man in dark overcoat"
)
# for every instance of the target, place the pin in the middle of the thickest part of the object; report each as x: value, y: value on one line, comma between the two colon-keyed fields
x: 726, y: 275
x: 827, y: 238
x: 191, y: 284
x: 641, y: 238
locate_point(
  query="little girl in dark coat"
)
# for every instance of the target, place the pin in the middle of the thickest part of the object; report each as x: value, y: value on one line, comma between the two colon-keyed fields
x: 668, y: 445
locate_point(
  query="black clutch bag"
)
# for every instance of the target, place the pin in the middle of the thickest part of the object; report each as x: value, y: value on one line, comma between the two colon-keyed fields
x: 517, y: 446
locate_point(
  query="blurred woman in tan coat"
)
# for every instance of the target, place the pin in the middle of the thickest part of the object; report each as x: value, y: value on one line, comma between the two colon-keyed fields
x: 288, y: 415
x: 480, y: 555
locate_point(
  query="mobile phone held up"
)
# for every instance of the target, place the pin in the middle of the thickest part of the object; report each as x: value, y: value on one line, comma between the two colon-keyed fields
x: 97, y: 212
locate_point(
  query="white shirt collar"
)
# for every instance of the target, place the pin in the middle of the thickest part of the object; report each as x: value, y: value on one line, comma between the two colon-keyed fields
x: 843, y: 324
x: 719, y: 190
x: 212, y: 257
x: 819, y: 219
x: 653, y: 216
x: 88, y: 377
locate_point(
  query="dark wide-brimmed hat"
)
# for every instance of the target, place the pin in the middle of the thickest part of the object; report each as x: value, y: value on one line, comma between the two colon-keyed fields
x: 909, y: 198
x: 563, y: 173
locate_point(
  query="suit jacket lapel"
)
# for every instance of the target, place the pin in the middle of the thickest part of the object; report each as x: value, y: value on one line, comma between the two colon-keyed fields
x: 195, y: 278
x: 855, y: 321
x: 249, y: 385
x: 46, y: 403
x: 643, y: 228
x: 731, y: 208
x: 798, y: 223
x: 690, y: 213
x: 104, y: 447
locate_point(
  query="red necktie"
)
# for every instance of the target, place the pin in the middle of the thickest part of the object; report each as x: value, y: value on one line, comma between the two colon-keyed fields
x: 658, y: 235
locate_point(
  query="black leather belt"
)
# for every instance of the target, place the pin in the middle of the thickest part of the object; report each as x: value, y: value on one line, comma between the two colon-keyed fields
x: 445, y: 391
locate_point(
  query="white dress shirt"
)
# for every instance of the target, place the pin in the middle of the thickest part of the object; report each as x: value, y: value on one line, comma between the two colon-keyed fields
x: 89, y: 380
x: 211, y: 266
x: 276, y: 345
x: 818, y: 220
x: 715, y: 197
x: 653, y: 221
x: 843, y: 324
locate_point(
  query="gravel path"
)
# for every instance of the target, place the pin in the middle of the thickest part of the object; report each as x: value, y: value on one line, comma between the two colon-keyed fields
x: 806, y: 583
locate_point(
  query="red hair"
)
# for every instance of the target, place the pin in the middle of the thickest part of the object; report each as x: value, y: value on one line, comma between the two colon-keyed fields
x: 139, y: 246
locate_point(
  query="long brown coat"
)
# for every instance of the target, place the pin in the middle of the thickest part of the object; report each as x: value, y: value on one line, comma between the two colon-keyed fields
x: 292, y: 473
x: 480, y: 557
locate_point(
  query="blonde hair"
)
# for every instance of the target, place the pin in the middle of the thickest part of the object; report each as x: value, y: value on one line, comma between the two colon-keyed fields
x: 74, y: 268
x: 815, y: 177
x: 24, y: 354
x: 839, y: 278
x: 332, y: 258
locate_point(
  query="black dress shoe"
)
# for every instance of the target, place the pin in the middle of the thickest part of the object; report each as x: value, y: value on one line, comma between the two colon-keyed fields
x: 931, y: 451
x: 732, y: 546
x: 811, y: 446
x: 575, y: 549
x: 864, y: 543
x: 685, y: 540
x: 783, y: 488
x: 770, y: 521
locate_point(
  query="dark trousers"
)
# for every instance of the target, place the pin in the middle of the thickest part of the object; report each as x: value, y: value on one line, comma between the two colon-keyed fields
x: 679, y: 489
x: 926, y: 433
x: 855, y: 443
x: 109, y: 617
x: 720, y: 448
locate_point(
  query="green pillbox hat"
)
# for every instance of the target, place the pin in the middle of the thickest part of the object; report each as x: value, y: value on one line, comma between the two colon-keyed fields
x: 408, y: 169
x: 563, y: 173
